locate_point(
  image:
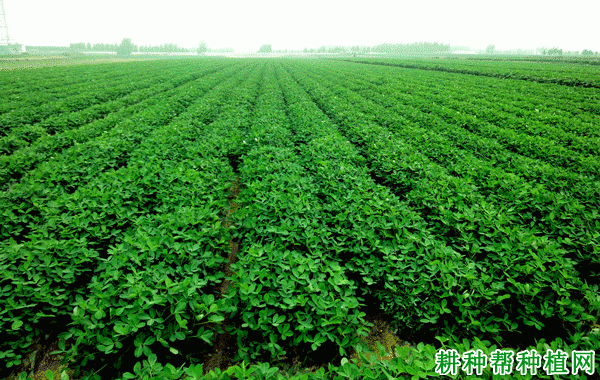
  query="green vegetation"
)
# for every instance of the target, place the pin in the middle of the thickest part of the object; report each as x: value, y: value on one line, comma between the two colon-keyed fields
x: 214, y: 218
x: 568, y: 72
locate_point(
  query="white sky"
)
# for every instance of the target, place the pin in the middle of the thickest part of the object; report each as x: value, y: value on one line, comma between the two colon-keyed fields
x: 246, y: 25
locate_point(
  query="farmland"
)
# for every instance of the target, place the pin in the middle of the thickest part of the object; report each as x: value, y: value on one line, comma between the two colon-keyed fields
x: 8, y: 63
x: 163, y: 218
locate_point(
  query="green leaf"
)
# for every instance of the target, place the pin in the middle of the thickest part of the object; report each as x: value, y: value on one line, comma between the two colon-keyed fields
x: 216, y: 318
x: 120, y: 329
x: 17, y: 324
x: 205, y: 336
x: 149, y: 340
x: 49, y: 375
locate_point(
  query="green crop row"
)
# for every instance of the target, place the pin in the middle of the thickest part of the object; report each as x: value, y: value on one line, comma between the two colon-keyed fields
x: 533, y: 137
x: 406, y: 107
x: 50, y: 254
x: 572, y: 109
x: 381, y: 241
x: 523, y: 280
x: 566, y: 212
x: 13, y: 167
x: 409, y: 363
x: 567, y: 75
x: 502, y: 103
x: 159, y: 279
x: 22, y: 136
x: 81, y: 163
x: 33, y: 88
x: 288, y: 293
x: 92, y: 94
x: 123, y: 238
x: 39, y: 92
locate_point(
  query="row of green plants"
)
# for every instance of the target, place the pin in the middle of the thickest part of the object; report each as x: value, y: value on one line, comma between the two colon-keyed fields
x: 130, y: 93
x: 61, y: 220
x: 529, y: 117
x: 572, y: 109
x: 564, y: 209
x: 160, y: 279
x: 512, y: 105
x: 589, y: 60
x: 524, y: 282
x: 98, y: 91
x: 408, y: 363
x: 562, y: 74
x: 290, y: 294
x: 14, y: 166
x: 532, y: 118
x: 33, y: 88
x: 409, y: 107
x: 584, y: 188
x: 380, y: 240
x: 343, y: 205
x: 81, y: 163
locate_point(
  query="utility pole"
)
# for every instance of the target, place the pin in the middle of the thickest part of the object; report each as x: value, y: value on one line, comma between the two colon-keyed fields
x: 6, y: 47
x: 4, y: 37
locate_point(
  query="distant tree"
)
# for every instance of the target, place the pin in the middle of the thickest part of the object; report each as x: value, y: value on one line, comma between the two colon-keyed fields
x: 266, y: 48
x: 587, y: 53
x: 490, y: 49
x: 555, y: 51
x: 79, y: 46
x: 202, y: 48
x: 126, y: 47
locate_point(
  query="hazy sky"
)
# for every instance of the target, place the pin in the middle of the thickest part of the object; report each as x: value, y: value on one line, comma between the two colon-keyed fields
x: 245, y: 25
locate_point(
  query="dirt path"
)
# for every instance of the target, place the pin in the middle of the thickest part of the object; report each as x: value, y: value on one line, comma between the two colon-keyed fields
x: 225, y: 347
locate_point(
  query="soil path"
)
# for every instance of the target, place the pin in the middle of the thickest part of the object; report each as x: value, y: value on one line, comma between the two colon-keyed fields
x: 225, y: 347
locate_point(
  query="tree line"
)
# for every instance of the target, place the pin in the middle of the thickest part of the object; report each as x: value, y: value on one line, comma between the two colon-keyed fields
x: 418, y: 48
x: 126, y: 47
